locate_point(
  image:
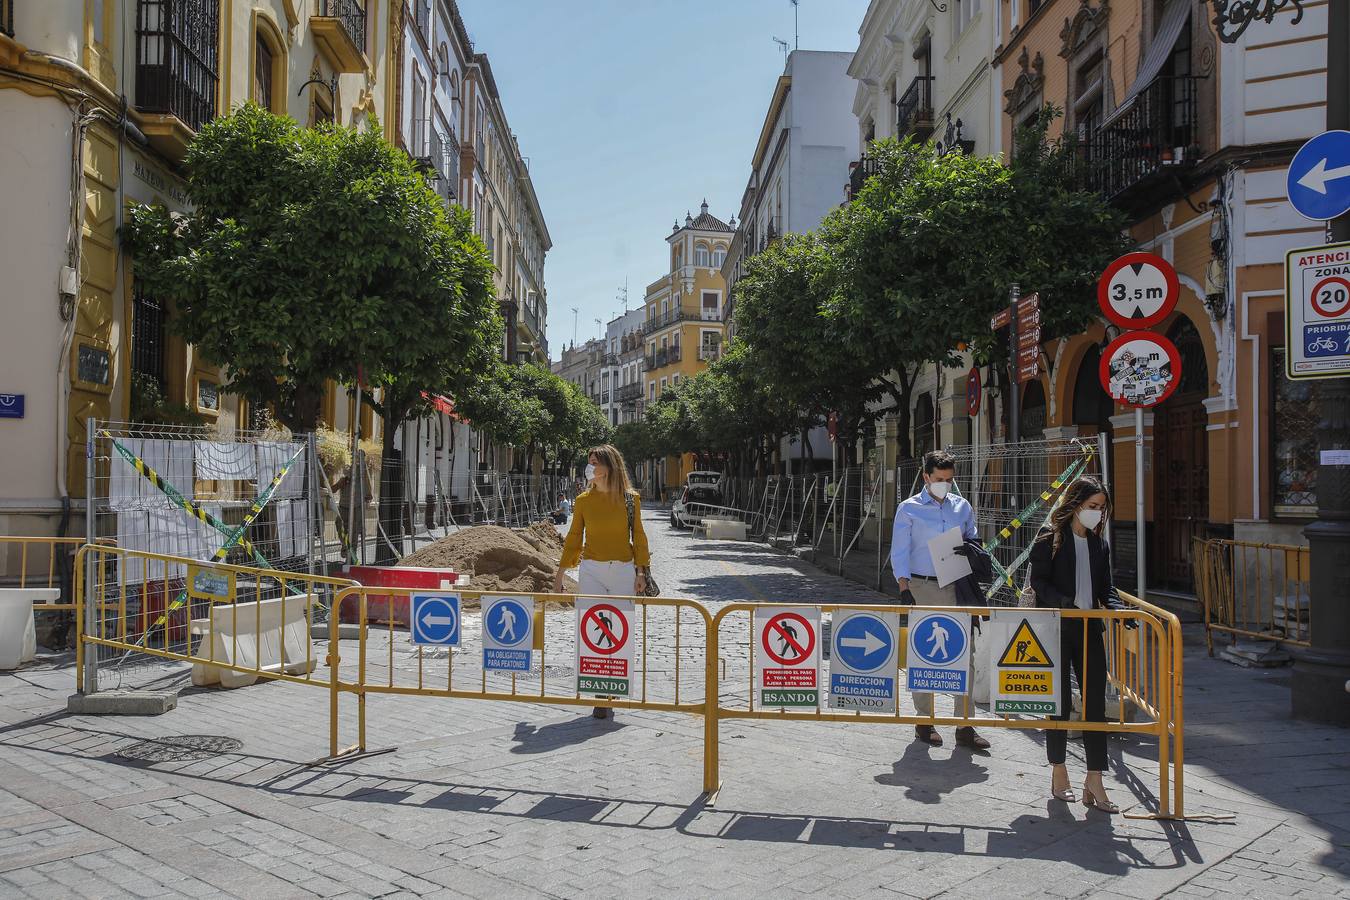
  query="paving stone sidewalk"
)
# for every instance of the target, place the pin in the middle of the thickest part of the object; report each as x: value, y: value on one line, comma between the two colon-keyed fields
x: 495, y: 799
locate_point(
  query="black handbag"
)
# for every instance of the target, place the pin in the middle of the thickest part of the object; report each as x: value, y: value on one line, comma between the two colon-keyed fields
x: 652, y: 589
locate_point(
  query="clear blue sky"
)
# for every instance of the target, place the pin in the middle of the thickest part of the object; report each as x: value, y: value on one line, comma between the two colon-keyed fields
x: 631, y: 112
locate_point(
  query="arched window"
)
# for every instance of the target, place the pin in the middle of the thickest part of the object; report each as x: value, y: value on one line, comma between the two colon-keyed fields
x: 719, y: 256
x: 456, y: 104
x: 268, y: 88
x: 701, y: 255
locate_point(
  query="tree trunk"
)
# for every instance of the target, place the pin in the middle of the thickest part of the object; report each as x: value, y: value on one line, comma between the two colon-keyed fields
x: 306, y: 407
x: 389, y: 546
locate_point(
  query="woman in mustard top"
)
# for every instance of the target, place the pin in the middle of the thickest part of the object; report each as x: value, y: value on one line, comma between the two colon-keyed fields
x: 613, y: 563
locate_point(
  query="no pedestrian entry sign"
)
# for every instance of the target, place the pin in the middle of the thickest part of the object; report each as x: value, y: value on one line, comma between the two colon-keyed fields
x: 863, y: 666
x: 1027, y: 667
x: 787, y: 655
x: 604, y: 646
x: 435, y: 619
x: 508, y: 634
x: 1317, y: 311
x: 939, y: 653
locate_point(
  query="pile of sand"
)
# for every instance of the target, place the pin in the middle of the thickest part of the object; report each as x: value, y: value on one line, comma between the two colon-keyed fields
x: 497, y: 558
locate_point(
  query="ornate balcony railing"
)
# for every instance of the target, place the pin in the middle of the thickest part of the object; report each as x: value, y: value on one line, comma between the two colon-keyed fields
x: 858, y: 174
x: 352, y: 15
x: 177, y: 58
x: 1156, y: 137
x: 914, y: 109
x: 628, y: 393
x: 669, y: 318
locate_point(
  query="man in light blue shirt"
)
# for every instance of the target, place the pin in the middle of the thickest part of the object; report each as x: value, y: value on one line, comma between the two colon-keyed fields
x: 918, y: 520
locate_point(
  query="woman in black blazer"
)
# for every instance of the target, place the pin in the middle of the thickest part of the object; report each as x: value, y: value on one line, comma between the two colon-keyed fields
x: 1071, y: 567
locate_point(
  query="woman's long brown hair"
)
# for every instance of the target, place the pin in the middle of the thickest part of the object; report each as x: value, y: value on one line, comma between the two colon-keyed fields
x: 1083, y: 489
x: 618, y: 472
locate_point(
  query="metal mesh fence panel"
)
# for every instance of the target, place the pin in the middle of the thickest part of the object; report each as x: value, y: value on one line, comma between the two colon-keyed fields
x: 243, y: 497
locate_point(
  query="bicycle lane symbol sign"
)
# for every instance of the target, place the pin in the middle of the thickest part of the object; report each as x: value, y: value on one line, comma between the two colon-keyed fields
x: 604, y: 648
x: 787, y: 656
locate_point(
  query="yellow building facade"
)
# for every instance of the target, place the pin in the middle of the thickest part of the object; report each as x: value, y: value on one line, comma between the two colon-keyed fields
x: 685, y: 325
x: 100, y: 99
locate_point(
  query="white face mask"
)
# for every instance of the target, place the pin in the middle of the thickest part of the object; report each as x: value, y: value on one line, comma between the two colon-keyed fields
x: 590, y: 472
x: 1090, y: 518
x: 939, y: 489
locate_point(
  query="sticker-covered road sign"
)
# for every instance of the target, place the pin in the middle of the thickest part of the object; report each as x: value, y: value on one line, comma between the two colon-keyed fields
x: 787, y: 655
x: 939, y: 653
x: 1027, y: 666
x: 1317, y: 312
x: 435, y: 619
x: 604, y: 646
x: 862, y: 665
x: 1140, y: 369
x: 1138, y: 290
x: 1319, y: 176
x: 508, y: 633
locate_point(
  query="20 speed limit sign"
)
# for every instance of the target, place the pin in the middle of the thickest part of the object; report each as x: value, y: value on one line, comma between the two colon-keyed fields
x: 1317, y: 312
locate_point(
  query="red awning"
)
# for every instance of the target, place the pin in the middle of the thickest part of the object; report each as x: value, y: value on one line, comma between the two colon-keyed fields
x: 443, y: 405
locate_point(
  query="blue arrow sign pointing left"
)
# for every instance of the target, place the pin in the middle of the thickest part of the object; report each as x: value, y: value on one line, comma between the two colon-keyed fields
x: 435, y: 619
x: 1319, y: 176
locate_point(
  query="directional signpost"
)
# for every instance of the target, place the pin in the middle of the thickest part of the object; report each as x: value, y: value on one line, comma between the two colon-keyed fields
x: 604, y: 647
x: 1317, y: 312
x: 939, y: 653
x: 863, y: 664
x: 1027, y: 671
x: 1319, y: 177
x: 787, y: 655
x: 435, y: 619
x: 508, y: 633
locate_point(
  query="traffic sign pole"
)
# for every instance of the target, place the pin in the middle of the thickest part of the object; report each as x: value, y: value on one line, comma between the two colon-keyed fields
x: 1322, y: 670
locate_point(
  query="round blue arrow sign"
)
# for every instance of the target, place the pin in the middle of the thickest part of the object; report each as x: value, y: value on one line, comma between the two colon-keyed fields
x: 1319, y: 176
x: 507, y: 623
x: 939, y: 641
x: 863, y: 643
x: 435, y: 620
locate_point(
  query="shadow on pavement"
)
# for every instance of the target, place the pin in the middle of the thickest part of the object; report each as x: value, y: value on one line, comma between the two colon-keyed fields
x: 926, y: 778
x: 541, y: 739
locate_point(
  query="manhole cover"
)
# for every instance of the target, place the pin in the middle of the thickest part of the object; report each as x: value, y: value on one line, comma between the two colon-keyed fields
x: 179, y: 747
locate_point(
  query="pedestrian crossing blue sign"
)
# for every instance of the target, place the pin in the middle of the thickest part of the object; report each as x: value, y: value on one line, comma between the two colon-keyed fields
x: 938, y: 653
x: 435, y: 619
x: 508, y: 634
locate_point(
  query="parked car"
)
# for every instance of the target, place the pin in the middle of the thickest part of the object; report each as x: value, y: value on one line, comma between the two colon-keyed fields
x: 700, y: 488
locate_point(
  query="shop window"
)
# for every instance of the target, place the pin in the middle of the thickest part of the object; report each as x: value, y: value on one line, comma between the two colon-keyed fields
x: 1296, y: 410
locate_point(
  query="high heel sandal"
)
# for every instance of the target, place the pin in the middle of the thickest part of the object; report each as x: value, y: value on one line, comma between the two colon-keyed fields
x: 1092, y: 801
x: 1066, y: 795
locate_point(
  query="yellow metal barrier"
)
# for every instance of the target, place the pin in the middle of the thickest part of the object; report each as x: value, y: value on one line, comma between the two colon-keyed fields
x: 1144, y: 665
x: 37, y: 564
x: 1254, y: 590
x: 681, y: 671
x: 659, y: 687
x: 174, y: 609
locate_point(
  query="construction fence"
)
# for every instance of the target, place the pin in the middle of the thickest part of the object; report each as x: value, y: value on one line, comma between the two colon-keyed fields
x: 666, y: 654
x: 1254, y: 590
x: 842, y: 521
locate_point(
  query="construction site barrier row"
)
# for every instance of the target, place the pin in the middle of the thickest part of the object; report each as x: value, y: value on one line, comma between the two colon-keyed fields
x: 662, y: 654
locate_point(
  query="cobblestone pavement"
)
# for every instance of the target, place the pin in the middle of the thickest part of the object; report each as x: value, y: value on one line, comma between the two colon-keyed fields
x: 481, y: 799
